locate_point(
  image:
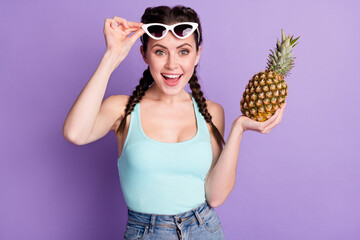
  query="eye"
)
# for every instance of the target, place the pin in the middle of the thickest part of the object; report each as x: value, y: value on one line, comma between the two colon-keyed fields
x: 184, y: 52
x: 159, y: 52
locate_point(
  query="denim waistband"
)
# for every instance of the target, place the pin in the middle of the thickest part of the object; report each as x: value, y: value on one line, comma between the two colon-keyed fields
x: 169, y: 221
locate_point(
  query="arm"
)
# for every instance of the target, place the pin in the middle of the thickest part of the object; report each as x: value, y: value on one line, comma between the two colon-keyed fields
x: 89, y: 118
x: 221, y: 178
x: 82, y: 116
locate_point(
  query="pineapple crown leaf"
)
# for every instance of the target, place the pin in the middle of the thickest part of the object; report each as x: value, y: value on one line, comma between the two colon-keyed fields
x: 293, y: 41
x: 283, y: 35
x: 280, y: 60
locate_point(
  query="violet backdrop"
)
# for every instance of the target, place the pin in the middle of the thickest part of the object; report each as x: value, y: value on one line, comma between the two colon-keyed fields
x: 300, y: 181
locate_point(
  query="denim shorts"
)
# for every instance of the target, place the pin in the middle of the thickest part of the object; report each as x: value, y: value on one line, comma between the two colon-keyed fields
x: 199, y: 223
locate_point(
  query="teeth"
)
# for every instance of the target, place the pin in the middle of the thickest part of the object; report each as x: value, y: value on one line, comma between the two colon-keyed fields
x: 171, y: 76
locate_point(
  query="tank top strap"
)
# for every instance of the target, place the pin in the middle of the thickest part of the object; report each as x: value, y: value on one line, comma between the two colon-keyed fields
x: 201, y: 122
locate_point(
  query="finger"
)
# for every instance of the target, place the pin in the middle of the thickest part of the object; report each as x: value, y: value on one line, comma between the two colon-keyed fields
x: 130, y: 30
x: 128, y: 24
x: 107, y: 22
x: 278, y: 118
x: 273, y: 118
x: 134, y: 24
x: 121, y: 21
x: 271, y: 122
x: 282, y: 112
x: 111, y: 22
x: 136, y: 35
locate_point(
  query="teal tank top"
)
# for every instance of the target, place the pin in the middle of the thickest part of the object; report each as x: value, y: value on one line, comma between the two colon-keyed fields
x: 164, y: 178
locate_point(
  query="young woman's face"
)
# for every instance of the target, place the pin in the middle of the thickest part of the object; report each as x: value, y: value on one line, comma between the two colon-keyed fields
x: 170, y: 57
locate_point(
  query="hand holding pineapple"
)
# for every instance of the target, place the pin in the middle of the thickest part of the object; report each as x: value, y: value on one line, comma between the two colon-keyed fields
x: 267, y: 90
x: 246, y: 123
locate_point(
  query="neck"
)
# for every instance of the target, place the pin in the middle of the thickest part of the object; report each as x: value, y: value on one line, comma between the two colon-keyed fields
x: 157, y: 94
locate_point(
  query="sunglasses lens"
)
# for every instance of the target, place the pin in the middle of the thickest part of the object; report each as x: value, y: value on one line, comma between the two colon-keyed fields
x: 183, y: 30
x: 156, y: 30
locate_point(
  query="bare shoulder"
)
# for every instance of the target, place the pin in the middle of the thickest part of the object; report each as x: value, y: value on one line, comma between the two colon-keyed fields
x: 117, y: 99
x: 214, y: 108
x: 116, y: 102
x: 217, y: 113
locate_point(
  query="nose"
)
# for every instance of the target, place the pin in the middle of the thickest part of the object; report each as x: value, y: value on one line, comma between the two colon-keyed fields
x: 171, y: 62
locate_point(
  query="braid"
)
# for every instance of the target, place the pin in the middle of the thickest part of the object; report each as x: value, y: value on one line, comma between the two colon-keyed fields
x: 201, y: 101
x: 136, y: 96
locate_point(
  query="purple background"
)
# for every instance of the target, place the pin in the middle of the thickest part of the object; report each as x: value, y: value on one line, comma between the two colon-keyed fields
x: 299, y: 182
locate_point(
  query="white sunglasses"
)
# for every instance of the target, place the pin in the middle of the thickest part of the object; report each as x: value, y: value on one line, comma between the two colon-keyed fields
x: 181, y: 30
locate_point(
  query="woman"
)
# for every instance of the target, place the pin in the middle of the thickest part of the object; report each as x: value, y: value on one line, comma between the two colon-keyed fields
x: 173, y: 167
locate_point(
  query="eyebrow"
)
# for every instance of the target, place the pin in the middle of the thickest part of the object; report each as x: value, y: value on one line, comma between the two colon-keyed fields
x: 166, y: 47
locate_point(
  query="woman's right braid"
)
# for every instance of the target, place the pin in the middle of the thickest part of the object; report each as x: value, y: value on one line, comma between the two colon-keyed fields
x: 136, y: 96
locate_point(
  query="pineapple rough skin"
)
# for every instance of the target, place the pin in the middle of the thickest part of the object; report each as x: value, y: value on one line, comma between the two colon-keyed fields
x: 264, y: 94
x: 266, y: 91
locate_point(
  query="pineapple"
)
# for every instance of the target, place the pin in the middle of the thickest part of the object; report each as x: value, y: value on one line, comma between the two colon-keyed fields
x: 267, y: 90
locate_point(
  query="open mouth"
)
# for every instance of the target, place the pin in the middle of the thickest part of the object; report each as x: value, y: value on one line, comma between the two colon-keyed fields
x: 172, y: 80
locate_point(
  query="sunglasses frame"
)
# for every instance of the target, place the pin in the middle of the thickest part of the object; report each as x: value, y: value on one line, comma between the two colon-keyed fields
x: 171, y: 28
